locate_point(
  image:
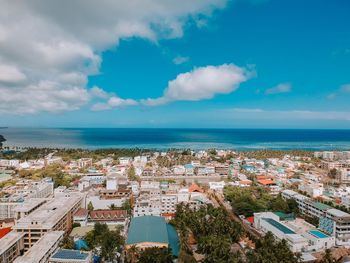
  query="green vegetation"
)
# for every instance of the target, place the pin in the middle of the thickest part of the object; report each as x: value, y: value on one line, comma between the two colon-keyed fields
x: 247, y: 201
x: 105, y: 242
x: 154, y: 254
x: 264, y: 154
x: 132, y: 175
x: 90, y: 207
x: 268, y: 250
x: 54, y: 171
x: 212, y: 230
x: 73, y: 154
x: 67, y: 243
x: 2, y: 139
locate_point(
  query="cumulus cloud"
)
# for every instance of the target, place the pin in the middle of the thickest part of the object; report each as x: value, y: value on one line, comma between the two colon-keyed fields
x: 114, y: 102
x: 49, y: 48
x: 280, y: 88
x: 202, y: 83
x: 180, y: 60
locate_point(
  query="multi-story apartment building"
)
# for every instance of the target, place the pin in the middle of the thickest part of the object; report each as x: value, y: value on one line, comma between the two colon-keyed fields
x: 332, y: 221
x: 55, y: 215
x: 11, y: 246
x: 169, y: 202
x: 43, y: 249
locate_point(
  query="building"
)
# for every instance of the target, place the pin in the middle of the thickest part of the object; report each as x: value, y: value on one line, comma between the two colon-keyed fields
x: 152, y: 231
x: 300, y: 235
x: 331, y: 221
x: 169, y: 202
x: 43, y: 249
x: 70, y: 256
x: 11, y: 246
x: 108, y: 217
x: 55, y: 215
x: 81, y: 216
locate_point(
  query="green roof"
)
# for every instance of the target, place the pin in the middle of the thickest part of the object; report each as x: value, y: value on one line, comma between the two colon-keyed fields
x: 153, y: 229
x: 279, y: 226
x: 321, y: 206
x: 147, y: 229
x: 284, y: 216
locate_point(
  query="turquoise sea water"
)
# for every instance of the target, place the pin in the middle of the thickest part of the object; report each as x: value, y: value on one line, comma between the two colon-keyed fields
x: 239, y: 139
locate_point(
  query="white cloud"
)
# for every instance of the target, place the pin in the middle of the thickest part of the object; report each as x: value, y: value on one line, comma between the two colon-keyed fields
x: 202, y: 83
x: 180, y: 60
x: 9, y: 74
x: 280, y: 88
x: 114, y: 102
x: 99, y: 93
x: 49, y: 48
x: 345, y: 88
x: 331, y: 96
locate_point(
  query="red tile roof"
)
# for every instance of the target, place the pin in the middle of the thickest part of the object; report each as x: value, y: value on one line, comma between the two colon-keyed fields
x: 266, y: 182
x: 195, y: 188
x: 5, y: 231
x: 82, y: 212
x: 250, y: 219
x: 108, y: 215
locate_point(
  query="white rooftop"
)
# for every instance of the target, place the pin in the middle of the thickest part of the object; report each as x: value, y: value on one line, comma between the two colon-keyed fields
x: 50, y: 213
x: 8, y: 240
x: 41, y: 248
x: 338, y: 213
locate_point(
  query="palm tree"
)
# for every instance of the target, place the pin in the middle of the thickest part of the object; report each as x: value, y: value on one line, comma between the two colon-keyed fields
x: 132, y: 254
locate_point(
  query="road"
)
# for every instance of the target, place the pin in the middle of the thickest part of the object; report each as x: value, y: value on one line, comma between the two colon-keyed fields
x: 218, y: 200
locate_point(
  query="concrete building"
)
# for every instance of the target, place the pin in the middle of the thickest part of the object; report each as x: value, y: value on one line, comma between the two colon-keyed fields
x: 55, y: 215
x: 11, y: 246
x: 43, y: 249
x: 300, y: 235
x: 331, y: 221
x: 152, y: 231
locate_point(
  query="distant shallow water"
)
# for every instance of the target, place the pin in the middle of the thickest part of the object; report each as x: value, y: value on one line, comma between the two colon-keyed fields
x: 197, y: 139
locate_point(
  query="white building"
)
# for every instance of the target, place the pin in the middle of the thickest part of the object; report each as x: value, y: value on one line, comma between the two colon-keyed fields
x: 331, y: 221
x: 43, y: 249
x: 300, y: 235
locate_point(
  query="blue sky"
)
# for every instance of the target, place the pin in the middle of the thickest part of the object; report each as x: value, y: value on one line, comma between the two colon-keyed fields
x: 295, y: 57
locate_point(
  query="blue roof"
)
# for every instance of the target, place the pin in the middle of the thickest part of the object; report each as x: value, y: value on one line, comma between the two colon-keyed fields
x: 188, y: 166
x: 153, y: 229
x: 147, y: 229
x: 174, y: 241
x: 279, y: 226
x: 70, y: 254
x: 80, y: 244
x: 318, y: 234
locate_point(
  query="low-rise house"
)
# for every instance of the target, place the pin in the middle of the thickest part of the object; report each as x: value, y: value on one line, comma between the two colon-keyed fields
x: 111, y: 217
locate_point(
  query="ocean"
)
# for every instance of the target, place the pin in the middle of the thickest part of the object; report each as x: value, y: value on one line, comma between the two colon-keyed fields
x: 197, y: 139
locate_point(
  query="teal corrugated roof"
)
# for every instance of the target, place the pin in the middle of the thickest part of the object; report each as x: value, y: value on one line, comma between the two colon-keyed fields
x: 147, y: 229
x: 321, y: 206
x: 279, y: 226
x: 174, y: 241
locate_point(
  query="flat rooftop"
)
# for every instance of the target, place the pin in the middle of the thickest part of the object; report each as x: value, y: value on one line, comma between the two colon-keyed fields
x: 70, y: 254
x: 40, y: 248
x: 8, y: 240
x: 29, y: 204
x: 337, y: 213
x: 279, y: 226
x: 49, y: 213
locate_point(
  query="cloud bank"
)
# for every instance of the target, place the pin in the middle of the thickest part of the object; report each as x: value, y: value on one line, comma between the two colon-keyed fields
x: 49, y: 48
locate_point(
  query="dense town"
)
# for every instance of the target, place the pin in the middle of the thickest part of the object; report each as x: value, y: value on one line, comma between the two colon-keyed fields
x: 176, y: 206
